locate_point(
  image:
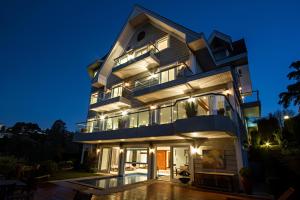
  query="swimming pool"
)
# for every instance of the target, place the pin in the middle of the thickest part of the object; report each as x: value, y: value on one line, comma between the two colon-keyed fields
x: 113, y: 182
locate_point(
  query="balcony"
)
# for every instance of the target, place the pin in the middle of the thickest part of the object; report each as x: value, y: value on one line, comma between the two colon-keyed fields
x: 209, y: 116
x: 135, y: 64
x: 113, y: 100
x: 251, y: 104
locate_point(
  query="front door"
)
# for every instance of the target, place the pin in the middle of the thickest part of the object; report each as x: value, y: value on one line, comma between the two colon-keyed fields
x: 161, y: 156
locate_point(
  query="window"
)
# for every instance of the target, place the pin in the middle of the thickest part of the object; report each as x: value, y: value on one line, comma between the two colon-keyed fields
x: 144, y: 118
x: 141, y: 36
x: 167, y: 75
x: 162, y: 43
x: 116, y: 91
x: 94, y: 98
x: 133, y: 120
x: 165, y: 115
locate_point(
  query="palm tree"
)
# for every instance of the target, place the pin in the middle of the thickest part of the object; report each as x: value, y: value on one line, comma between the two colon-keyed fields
x: 293, y: 90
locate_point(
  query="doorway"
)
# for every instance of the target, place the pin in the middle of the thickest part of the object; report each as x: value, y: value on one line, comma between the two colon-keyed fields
x: 163, y: 156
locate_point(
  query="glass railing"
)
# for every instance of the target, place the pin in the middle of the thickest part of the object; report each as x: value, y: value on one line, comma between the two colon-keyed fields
x: 173, y: 73
x: 210, y: 104
x: 154, y: 47
x: 250, y: 96
x: 103, y: 96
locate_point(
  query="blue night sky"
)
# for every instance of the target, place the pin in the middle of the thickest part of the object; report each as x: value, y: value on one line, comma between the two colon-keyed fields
x: 45, y: 47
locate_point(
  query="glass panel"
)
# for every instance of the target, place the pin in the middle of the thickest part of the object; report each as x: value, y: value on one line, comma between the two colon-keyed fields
x: 136, y: 155
x: 116, y: 91
x: 123, y: 59
x: 162, y: 44
x: 109, y: 124
x: 114, y: 162
x: 164, y: 77
x: 133, y: 120
x: 165, y: 115
x: 172, y: 74
x: 94, y: 98
x: 180, y: 160
x: 115, y: 123
x: 141, y: 51
x: 105, y: 159
x: 143, y: 119
x: 181, y: 110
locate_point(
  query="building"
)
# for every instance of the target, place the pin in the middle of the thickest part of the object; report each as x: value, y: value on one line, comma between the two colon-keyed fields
x: 166, y: 99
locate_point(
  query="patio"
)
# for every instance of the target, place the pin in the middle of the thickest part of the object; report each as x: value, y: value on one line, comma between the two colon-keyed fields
x: 155, y: 190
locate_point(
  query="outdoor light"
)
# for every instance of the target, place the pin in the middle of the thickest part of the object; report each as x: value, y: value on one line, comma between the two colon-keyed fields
x: 226, y: 92
x: 152, y: 76
x: 152, y: 150
x: 124, y: 113
x: 191, y: 99
x: 102, y: 117
x: 193, y: 150
x: 152, y: 107
x: 240, y: 89
x: 121, y: 150
x: 98, y: 150
x: 126, y: 84
x: 267, y: 144
x: 286, y: 117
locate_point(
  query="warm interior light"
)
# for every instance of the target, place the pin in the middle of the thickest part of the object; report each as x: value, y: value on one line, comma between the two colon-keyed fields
x: 152, y: 107
x: 151, y: 150
x: 191, y: 99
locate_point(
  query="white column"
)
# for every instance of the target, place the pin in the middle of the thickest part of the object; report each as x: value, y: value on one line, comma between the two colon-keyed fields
x: 82, y: 154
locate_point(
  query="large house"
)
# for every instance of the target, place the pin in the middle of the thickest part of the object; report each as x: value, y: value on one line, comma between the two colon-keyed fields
x: 166, y: 99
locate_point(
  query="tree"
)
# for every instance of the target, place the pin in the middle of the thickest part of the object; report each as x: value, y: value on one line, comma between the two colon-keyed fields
x: 267, y: 126
x: 293, y: 90
x: 58, y: 127
x: 280, y: 114
x: 22, y: 127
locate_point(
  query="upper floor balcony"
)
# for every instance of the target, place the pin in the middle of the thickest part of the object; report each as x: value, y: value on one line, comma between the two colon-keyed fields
x: 251, y: 104
x: 209, y: 115
x: 113, y: 99
x: 139, y: 60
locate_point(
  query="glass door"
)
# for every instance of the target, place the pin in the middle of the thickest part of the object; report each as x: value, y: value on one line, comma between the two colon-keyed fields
x: 180, y: 160
x: 105, y: 159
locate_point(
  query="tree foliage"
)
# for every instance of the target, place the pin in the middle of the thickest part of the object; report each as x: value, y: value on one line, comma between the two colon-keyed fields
x: 292, y: 95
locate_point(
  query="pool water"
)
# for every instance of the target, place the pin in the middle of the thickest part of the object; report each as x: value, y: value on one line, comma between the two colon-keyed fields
x: 112, y: 182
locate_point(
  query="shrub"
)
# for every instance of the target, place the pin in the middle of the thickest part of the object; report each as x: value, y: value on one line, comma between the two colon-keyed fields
x: 8, y: 165
x: 66, y: 164
x: 48, y: 167
x: 245, y: 172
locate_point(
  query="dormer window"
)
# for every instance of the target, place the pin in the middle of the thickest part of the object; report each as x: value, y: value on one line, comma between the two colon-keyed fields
x: 221, y: 54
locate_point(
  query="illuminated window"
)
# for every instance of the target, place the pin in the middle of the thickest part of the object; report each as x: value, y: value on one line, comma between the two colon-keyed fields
x: 162, y: 43
x: 165, y: 115
x: 116, y: 91
x: 94, y: 98
x: 168, y: 75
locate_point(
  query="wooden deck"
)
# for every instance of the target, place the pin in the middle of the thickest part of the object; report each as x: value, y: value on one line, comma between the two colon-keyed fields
x: 155, y: 190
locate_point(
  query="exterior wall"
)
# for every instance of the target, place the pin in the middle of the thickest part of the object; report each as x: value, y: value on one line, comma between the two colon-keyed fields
x: 225, y: 144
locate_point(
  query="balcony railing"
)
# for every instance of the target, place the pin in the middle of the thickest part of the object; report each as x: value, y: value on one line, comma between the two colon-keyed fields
x: 115, y: 92
x: 250, y: 97
x: 155, y: 47
x: 209, y: 104
x: 161, y: 77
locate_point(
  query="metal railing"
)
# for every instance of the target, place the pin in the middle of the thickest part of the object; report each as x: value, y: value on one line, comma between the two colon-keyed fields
x: 209, y: 104
x: 250, y: 97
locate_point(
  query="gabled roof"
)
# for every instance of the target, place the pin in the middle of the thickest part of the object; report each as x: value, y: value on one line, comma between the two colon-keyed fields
x: 217, y: 34
x: 195, y: 41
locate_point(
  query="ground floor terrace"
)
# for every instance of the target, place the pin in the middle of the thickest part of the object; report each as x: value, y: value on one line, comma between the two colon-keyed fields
x: 210, y: 163
x: 148, y: 190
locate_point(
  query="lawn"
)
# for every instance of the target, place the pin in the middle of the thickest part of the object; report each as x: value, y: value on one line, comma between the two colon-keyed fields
x: 60, y: 175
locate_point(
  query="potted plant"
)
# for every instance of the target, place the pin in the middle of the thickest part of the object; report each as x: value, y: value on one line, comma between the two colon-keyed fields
x: 246, y: 180
x: 221, y: 111
x: 185, y: 176
x: 191, y: 109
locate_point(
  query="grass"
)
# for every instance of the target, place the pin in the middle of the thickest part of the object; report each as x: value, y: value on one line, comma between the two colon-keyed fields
x: 61, y: 175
